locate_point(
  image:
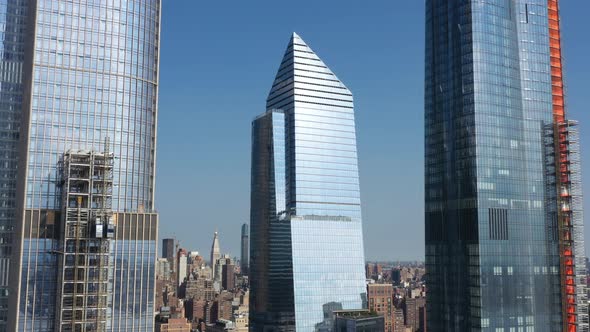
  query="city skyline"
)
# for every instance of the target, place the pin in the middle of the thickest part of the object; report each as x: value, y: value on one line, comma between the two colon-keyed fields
x: 388, y: 90
x: 444, y: 191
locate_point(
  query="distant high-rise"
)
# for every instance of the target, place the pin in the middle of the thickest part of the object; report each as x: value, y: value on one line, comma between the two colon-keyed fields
x: 306, y: 254
x: 503, y: 211
x: 78, y: 104
x: 182, y: 264
x: 215, y: 255
x: 228, y: 275
x: 168, y: 251
x: 245, y: 257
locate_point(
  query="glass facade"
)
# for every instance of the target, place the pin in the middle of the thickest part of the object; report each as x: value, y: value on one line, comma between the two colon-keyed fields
x: 91, y: 78
x: 134, y: 257
x: 306, y: 254
x: 13, y: 24
x: 492, y: 249
x: 245, y: 249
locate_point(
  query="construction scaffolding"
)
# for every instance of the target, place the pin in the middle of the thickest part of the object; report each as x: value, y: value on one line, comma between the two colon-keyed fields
x: 87, y: 230
x: 570, y: 226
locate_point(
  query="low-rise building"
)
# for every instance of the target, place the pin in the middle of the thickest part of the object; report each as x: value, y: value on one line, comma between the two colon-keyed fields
x: 358, y: 321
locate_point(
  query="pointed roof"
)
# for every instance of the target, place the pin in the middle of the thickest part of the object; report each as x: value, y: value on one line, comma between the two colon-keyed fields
x: 301, y: 66
x: 215, y: 246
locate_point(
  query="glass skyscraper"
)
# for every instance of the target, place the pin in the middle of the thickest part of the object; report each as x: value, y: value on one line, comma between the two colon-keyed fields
x: 504, y: 239
x: 78, y: 87
x: 306, y: 244
x: 245, y: 249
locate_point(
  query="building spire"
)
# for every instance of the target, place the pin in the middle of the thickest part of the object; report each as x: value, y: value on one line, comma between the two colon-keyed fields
x: 301, y: 66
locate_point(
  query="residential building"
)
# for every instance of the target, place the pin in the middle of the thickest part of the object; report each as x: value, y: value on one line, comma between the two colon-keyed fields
x: 503, y: 211
x: 79, y: 90
x: 381, y: 302
x: 305, y: 199
x: 163, y: 269
x: 412, y: 308
x: 398, y: 320
x: 223, y: 302
x: 228, y: 276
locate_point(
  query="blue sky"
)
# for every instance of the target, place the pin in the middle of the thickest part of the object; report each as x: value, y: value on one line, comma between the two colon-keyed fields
x: 218, y: 60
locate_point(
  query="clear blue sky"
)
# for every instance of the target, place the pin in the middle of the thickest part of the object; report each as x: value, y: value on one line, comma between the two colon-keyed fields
x: 218, y: 60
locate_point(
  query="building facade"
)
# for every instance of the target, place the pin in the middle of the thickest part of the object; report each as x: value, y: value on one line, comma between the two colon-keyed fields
x: 504, y: 246
x: 306, y: 252
x: 358, y: 321
x: 381, y: 301
x: 81, y: 98
x: 245, y: 249
x: 414, y: 310
x: 228, y: 276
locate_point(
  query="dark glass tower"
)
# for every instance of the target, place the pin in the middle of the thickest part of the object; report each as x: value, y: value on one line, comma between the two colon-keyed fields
x: 306, y: 253
x: 13, y: 25
x: 502, y: 205
x: 78, y: 93
x: 245, y: 249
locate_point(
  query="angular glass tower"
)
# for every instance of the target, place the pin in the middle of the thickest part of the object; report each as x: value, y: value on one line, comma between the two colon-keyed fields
x: 504, y: 239
x: 306, y: 252
x: 78, y: 94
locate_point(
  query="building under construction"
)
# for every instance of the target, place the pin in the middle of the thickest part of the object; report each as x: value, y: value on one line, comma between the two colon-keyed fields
x: 85, y: 264
x: 568, y: 187
x: 566, y: 178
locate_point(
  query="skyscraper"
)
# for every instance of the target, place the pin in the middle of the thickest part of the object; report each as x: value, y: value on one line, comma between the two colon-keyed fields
x: 12, y: 50
x: 168, y: 249
x: 215, y: 255
x: 306, y: 254
x: 504, y: 230
x: 245, y: 254
x: 79, y: 95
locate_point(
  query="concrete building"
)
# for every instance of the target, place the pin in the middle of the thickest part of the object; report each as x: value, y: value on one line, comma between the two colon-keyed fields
x: 398, y: 320
x: 182, y: 265
x: 163, y: 269
x: 173, y: 325
x: 228, y: 276
x: 412, y: 309
x: 358, y: 321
